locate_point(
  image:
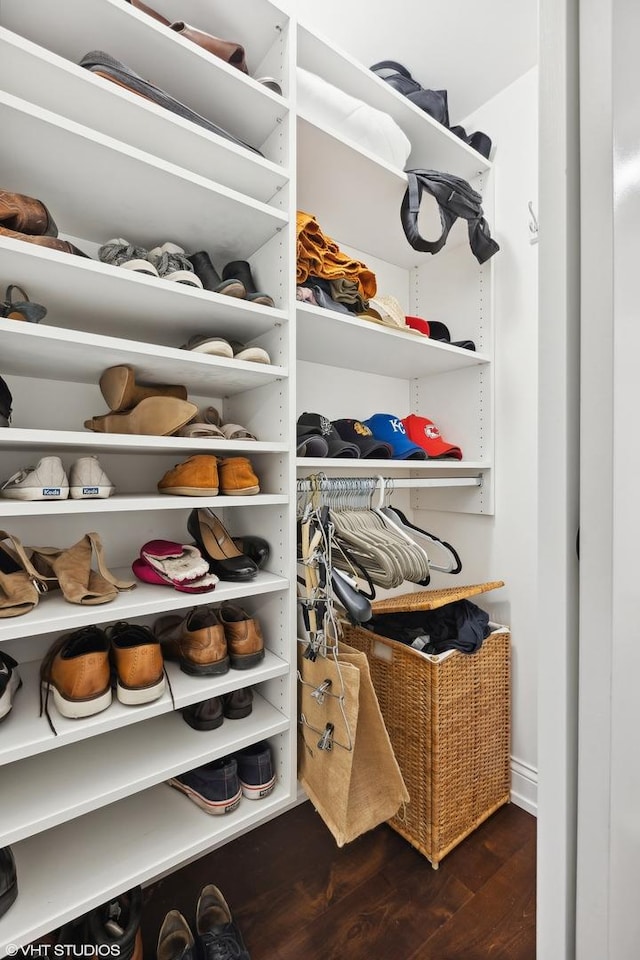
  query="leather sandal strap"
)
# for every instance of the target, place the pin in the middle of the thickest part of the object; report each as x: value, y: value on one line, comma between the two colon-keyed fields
x: 28, y: 567
x: 9, y: 293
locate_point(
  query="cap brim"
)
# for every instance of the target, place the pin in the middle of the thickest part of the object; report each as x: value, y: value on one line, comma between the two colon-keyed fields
x: 312, y: 446
x: 377, y: 449
x: 438, y: 449
x: 410, y: 452
x: 340, y: 448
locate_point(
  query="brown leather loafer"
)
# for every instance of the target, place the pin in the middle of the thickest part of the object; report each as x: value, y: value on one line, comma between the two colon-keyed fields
x: 195, y: 477
x: 198, y: 642
x: 139, y: 664
x: 26, y: 215
x: 244, y: 636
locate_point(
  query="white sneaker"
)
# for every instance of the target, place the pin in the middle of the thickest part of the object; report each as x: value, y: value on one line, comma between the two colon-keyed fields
x: 46, y: 481
x: 89, y: 481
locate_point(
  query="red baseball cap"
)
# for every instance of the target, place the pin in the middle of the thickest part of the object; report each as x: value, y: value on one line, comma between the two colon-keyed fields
x: 425, y: 434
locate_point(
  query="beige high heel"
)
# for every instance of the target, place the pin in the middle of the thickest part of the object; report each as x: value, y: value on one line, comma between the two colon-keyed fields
x: 120, y: 390
x: 70, y: 570
x: 20, y: 583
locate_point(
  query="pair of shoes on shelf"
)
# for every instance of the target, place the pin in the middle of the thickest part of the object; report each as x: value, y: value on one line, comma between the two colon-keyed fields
x: 167, y: 262
x: 207, y: 476
x: 208, y: 642
x: 48, y: 480
x: 210, y: 714
x: 25, y: 218
x: 177, y: 565
x: 216, y: 933
x: 27, y: 573
x: 208, y: 423
x: 76, y: 670
x: 236, y: 280
x: 157, y: 410
x: 231, y: 349
x: 218, y: 787
x: 23, y: 309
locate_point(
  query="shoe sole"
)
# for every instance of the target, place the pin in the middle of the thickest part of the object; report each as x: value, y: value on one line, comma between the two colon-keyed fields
x: 239, y: 714
x: 191, y: 491
x: 78, y: 709
x: 132, y: 696
x: 152, y: 417
x: 36, y: 493
x: 204, y: 724
x: 244, y: 661
x: 89, y: 492
x: 257, y: 791
x: 205, y: 669
x: 6, y: 700
x: 245, y: 492
x: 214, y: 807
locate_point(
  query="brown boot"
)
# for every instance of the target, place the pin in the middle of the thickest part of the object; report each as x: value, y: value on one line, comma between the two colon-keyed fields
x: 52, y: 243
x: 152, y: 417
x: 198, y: 642
x: 244, y: 636
x: 26, y: 215
x: 120, y: 390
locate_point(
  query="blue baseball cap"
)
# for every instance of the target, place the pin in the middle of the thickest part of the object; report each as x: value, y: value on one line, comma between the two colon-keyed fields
x: 390, y: 429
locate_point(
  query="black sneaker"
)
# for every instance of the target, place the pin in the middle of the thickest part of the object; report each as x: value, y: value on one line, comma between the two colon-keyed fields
x: 10, y: 683
x: 8, y: 880
x: 214, y: 787
x: 255, y: 771
x: 218, y: 936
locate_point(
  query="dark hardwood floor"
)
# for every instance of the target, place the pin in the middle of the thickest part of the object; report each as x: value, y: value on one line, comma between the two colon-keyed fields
x: 296, y: 896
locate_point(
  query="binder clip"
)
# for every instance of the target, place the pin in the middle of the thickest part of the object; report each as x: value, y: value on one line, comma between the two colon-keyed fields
x: 319, y: 692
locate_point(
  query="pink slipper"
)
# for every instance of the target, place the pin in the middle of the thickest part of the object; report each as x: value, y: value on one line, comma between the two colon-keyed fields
x: 174, y: 564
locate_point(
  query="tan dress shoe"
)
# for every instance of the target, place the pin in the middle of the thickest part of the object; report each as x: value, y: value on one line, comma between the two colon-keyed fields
x: 139, y: 663
x: 76, y: 672
x: 198, y: 642
x: 244, y: 636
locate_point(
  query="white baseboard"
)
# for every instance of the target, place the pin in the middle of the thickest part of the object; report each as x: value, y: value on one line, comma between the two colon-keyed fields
x: 524, y: 786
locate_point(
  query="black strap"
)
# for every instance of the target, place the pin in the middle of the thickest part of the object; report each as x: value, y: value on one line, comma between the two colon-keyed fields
x: 391, y: 65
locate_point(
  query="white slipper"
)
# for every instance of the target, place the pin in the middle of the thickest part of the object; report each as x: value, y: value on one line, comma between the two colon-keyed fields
x: 251, y: 354
x: 214, y: 346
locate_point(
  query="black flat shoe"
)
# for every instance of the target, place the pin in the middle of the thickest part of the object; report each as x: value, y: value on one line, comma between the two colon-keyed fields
x: 215, y: 544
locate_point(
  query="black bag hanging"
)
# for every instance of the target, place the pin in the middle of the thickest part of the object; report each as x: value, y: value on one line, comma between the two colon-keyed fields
x: 433, y: 102
x: 455, y: 198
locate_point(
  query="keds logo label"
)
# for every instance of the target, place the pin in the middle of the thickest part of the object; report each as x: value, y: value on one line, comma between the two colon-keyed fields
x: 89, y: 491
x: 51, y: 492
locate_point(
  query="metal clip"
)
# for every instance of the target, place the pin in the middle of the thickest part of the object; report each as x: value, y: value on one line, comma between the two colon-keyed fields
x: 326, y: 740
x: 319, y: 692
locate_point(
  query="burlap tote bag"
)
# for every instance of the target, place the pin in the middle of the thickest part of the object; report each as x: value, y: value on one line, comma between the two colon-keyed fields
x: 357, y: 784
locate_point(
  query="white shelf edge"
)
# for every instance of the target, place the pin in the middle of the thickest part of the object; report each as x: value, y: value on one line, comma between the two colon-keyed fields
x: 124, y: 503
x: 376, y: 466
x: 54, y: 614
x: 17, y: 437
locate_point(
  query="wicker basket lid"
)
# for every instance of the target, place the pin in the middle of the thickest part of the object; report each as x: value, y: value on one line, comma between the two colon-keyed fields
x: 432, y: 599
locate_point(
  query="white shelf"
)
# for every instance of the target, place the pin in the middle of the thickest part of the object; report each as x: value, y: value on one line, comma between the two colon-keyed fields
x: 115, y: 190
x: 53, y: 613
x: 67, y: 871
x: 80, y: 778
x: 204, y: 83
x: 357, y: 197
x: 375, y: 467
x: 42, y: 77
x: 434, y: 147
x: 331, y: 338
x: 26, y: 734
x: 135, y: 502
x: 96, y: 297
x: 30, y: 350
x: 16, y: 438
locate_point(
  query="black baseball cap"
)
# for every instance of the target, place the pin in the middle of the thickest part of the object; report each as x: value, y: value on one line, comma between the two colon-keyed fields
x: 359, y: 433
x: 314, y: 424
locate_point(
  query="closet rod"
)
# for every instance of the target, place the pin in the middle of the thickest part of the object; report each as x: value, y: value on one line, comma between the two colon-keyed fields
x: 366, y: 484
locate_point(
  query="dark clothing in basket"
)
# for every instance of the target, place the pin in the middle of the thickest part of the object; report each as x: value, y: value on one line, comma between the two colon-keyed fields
x: 457, y: 626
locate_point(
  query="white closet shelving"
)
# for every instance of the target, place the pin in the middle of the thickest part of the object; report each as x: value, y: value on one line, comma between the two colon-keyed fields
x: 108, y: 163
x: 349, y: 367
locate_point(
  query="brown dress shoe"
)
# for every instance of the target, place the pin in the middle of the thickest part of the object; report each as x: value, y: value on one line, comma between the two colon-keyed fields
x: 244, y: 636
x: 76, y: 672
x: 26, y: 215
x: 198, y: 642
x: 139, y: 663
x: 120, y: 390
x: 63, y: 246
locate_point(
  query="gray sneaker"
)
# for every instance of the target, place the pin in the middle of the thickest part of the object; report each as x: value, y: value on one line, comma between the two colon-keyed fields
x: 46, y: 481
x: 89, y: 481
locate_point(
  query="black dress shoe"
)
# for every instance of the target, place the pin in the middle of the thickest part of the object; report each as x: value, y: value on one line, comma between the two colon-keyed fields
x: 241, y: 270
x: 206, y: 715
x: 216, y: 546
x: 210, y: 279
x: 256, y: 548
x: 8, y: 880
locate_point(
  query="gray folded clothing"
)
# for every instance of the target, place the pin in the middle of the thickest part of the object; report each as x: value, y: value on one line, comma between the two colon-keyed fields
x: 347, y: 291
x: 109, y: 68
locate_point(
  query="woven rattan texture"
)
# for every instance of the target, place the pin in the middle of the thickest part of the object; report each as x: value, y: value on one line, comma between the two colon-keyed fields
x: 449, y: 724
x: 432, y: 599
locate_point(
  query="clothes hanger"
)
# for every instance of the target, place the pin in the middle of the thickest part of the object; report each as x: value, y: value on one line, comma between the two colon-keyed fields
x: 454, y: 563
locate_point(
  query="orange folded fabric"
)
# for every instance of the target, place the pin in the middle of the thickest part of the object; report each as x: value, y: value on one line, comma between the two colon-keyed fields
x: 320, y: 256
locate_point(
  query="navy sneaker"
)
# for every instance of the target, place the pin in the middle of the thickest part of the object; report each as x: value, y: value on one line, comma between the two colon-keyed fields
x: 218, y: 936
x: 255, y: 771
x: 10, y: 683
x: 214, y: 787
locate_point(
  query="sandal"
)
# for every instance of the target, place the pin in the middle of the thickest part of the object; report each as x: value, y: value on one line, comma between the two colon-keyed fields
x: 21, y: 309
x: 70, y: 569
x: 20, y: 583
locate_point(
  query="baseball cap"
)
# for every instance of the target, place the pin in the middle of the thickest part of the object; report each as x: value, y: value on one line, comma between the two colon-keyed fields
x: 432, y: 328
x: 357, y: 432
x: 314, y: 424
x: 390, y: 429
x: 425, y: 433
x: 311, y: 445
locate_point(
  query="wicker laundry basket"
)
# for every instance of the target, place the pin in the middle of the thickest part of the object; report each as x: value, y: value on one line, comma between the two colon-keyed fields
x: 448, y: 719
